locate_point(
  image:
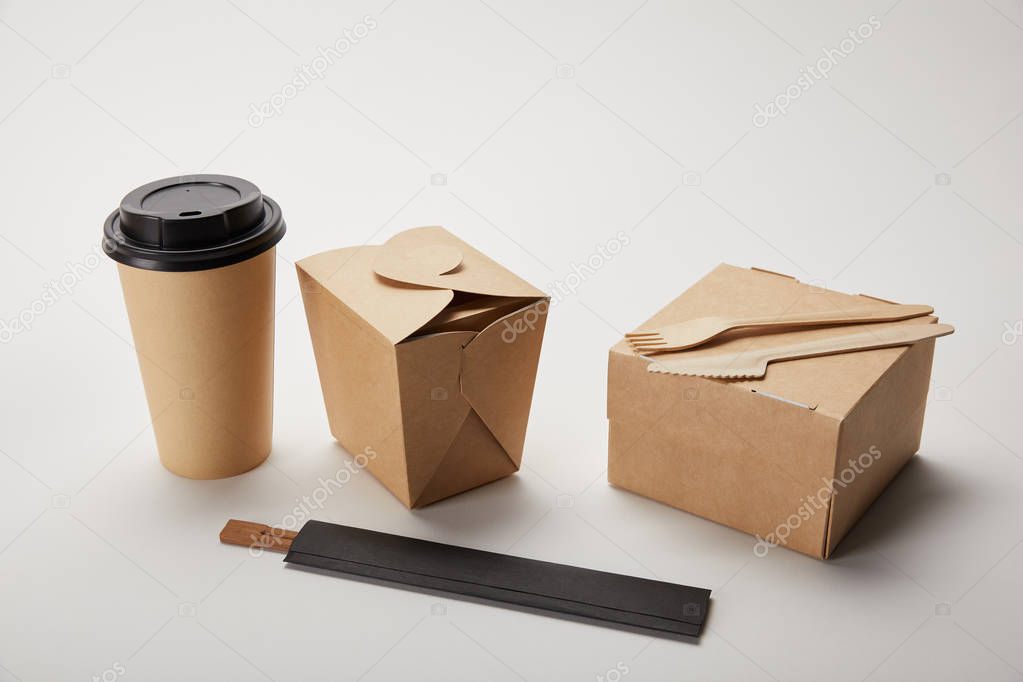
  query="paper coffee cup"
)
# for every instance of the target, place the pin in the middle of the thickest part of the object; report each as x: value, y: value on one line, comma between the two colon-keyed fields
x: 196, y: 261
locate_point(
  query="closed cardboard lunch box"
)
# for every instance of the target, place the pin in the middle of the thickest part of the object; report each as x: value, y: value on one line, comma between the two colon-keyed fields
x: 794, y: 458
x: 427, y: 353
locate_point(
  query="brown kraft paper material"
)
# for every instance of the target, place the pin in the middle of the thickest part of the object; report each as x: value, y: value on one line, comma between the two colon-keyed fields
x: 205, y: 341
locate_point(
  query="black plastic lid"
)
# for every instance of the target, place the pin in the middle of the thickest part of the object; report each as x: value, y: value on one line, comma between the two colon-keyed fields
x: 192, y: 222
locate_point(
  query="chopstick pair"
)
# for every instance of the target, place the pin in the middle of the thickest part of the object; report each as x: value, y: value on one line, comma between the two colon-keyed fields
x: 603, y: 598
x: 752, y: 363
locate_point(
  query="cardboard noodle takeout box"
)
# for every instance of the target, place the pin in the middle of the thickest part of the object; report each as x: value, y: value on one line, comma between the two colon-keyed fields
x: 427, y: 353
x: 794, y: 458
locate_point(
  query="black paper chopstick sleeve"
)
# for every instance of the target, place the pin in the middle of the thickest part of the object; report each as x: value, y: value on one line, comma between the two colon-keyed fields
x: 625, y: 600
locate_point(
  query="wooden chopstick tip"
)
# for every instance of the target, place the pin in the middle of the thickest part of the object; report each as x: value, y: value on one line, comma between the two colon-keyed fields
x: 257, y: 536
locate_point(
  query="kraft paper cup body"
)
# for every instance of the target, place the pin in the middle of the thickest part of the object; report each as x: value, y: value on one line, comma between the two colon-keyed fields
x: 205, y: 343
x: 196, y: 258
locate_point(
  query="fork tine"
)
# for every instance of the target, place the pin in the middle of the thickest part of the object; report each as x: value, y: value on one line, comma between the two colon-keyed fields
x: 641, y: 334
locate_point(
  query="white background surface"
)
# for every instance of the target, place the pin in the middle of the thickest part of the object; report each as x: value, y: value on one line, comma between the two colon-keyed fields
x: 110, y: 563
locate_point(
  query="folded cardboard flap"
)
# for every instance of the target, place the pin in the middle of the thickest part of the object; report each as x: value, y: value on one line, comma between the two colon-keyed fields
x: 772, y: 272
x: 498, y: 375
x: 472, y: 382
x: 417, y: 264
x: 400, y: 295
x: 390, y: 310
x: 425, y: 256
x: 433, y: 409
x: 885, y: 424
x: 471, y: 312
x: 432, y: 257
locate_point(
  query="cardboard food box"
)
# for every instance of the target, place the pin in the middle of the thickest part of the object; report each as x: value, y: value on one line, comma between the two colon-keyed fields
x: 794, y: 458
x: 427, y: 353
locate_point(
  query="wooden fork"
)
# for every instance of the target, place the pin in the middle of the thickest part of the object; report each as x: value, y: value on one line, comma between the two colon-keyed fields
x: 699, y: 330
x: 752, y: 363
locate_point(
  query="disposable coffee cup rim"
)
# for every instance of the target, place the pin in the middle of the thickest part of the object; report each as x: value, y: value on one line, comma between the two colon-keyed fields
x: 261, y: 238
